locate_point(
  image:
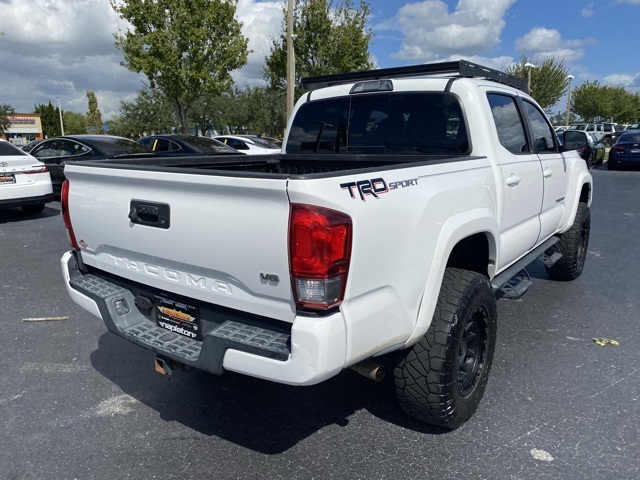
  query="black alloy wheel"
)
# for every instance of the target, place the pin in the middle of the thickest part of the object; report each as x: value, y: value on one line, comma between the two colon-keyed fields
x: 472, y: 351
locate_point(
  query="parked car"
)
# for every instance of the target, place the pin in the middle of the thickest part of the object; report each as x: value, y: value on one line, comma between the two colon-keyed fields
x: 174, y: 145
x: 252, y: 144
x: 27, y: 147
x: 592, y: 151
x: 618, y: 131
x: 24, y: 181
x: 601, y: 131
x: 56, y: 152
x: 626, y: 151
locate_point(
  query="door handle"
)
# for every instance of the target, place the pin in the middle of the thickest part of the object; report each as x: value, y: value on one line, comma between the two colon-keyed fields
x: 547, y: 172
x: 513, y: 180
x: 150, y: 214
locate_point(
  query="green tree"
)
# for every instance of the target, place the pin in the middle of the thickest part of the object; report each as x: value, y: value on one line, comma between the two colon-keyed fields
x: 74, y: 123
x: 589, y: 101
x: 595, y: 102
x: 94, y: 116
x: 328, y: 40
x: 5, y: 112
x: 185, y: 48
x: 621, y: 105
x: 548, y: 80
x: 50, y: 119
x: 150, y: 112
x: 269, y: 111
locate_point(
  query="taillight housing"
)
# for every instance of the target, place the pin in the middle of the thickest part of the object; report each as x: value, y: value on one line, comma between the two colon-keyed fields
x: 64, y: 203
x: 617, y: 149
x: 37, y: 169
x: 319, y: 255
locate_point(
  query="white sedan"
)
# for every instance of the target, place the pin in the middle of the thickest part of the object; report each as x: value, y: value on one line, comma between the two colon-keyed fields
x: 252, y: 144
x: 24, y: 181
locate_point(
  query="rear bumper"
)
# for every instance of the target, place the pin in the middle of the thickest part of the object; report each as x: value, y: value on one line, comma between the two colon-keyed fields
x: 306, y: 352
x: 23, y: 201
x: 624, y: 161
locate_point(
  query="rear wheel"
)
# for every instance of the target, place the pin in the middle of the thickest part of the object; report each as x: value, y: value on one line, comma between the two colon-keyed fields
x: 442, y: 378
x: 33, y: 208
x: 573, y: 246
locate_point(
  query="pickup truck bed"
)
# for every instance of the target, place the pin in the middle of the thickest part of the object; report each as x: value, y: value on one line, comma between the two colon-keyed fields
x: 275, y: 166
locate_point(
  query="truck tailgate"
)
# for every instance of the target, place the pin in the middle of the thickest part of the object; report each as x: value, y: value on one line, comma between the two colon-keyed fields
x: 224, y: 240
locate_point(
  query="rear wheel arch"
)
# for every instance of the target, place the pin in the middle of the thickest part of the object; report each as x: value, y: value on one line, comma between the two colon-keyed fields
x: 460, y: 240
x: 475, y: 253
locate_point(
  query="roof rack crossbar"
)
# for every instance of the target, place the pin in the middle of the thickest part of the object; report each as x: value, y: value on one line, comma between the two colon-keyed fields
x: 462, y: 68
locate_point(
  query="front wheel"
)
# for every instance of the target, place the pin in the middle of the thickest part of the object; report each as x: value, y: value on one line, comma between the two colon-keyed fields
x: 442, y: 378
x: 573, y: 246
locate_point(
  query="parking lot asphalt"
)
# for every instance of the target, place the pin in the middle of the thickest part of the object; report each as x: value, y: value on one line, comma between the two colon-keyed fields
x: 77, y: 402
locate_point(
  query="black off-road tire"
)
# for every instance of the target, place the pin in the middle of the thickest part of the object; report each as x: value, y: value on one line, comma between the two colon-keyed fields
x: 573, y: 246
x: 33, y: 208
x: 442, y: 378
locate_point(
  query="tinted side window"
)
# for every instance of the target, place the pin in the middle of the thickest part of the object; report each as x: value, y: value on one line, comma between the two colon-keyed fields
x: 161, y: 145
x: 509, y: 124
x: 543, y: 134
x: 237, y: 144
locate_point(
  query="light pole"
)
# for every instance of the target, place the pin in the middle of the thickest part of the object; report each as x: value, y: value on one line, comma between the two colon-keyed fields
x: 529, y: 66
x: 569, y: 77
x: 291, y: 61
x: 61, y: 124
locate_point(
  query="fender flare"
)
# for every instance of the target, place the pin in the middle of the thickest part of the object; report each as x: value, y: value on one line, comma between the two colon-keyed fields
x: 454, y: 230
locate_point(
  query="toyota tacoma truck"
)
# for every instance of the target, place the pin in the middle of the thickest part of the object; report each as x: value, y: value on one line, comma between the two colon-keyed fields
x: 405, y: 201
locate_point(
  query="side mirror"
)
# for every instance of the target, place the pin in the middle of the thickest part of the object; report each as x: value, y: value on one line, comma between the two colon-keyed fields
x: 574, y: 139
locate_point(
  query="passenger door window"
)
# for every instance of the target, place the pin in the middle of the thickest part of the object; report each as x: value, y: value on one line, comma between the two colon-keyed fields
x: 509, y: 124
x: 544, y: 137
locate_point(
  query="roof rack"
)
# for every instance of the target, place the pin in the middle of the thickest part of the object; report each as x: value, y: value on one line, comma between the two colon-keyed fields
x: 462, y: 68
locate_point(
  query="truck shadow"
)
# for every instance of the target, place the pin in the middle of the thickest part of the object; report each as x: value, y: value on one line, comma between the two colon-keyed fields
x: 263, y: 416
x: 12, y: 215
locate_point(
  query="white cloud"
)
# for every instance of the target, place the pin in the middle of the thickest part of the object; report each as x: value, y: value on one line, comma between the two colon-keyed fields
x: 261, y: 21
x: 623, y: 80
x: 57, y: 48
x: 543, y: 42
x: 432, y: 33
x: 62, y: 48
x: 587, y: 11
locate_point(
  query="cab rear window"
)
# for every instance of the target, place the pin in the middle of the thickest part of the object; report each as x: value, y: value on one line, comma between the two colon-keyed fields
x: 389, y: 123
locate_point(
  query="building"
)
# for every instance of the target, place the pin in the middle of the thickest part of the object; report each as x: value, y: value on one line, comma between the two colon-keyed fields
x: 24, y: 128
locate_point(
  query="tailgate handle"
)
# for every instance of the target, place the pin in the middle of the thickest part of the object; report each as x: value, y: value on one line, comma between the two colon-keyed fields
x: 150, y: 214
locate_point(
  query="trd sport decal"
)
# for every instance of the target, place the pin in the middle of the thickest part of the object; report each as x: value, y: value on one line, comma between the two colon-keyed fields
x: 375, y: 187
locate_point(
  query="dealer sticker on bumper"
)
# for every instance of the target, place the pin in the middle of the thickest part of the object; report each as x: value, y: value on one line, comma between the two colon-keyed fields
x: 178, y: 317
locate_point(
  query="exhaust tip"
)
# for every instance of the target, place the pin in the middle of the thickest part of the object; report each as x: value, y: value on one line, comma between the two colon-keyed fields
x: 163, y: 366
x: 370, y: 369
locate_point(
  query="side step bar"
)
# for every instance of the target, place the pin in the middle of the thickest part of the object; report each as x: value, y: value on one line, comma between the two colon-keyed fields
x: 515, y: 281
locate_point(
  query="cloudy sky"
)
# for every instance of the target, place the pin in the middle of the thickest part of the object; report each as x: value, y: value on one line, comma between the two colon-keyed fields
x: 61, y: 48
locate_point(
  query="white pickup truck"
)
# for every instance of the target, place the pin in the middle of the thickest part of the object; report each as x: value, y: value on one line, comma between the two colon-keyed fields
x: 404, y: 202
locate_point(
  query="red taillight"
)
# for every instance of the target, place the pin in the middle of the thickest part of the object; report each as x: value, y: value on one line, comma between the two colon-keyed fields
x: 617, y: 148
x: 319, y: 255
x: 37, y: 169
x: 64, y: 203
